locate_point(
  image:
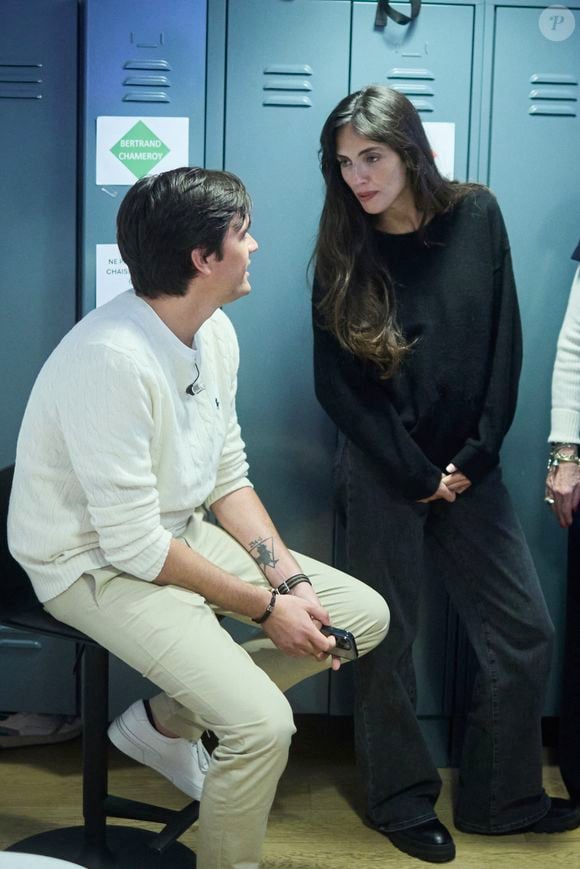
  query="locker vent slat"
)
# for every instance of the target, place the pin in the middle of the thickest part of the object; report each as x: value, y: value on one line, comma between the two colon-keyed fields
x: 410, y: 74
x: 147, y: 64
x: 288, y: 69
x: 279, y: 78
x: 553, y: 99
x: 423, y: 105
x: 290, y: 84
x: 18, y: 78
x: 282, y: 100
x: 146, y: 97
x: 159, y: 81
x: 414, y: 89
x: 411, y: 82
x: 552, y: 78
x: 568, y: 111
x: 555, y: 94
x: 18, y: 84
x: 14, y: 95
x: 151, y: 78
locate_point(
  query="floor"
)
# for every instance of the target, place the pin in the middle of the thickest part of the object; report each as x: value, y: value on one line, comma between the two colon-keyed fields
x: 315, y: 821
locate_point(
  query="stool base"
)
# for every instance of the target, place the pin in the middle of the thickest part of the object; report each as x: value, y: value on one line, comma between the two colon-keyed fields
x: 127, y: 848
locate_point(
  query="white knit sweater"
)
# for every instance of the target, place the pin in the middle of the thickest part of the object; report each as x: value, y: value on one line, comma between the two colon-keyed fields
x: 113, y: 455
x: 566, y: 378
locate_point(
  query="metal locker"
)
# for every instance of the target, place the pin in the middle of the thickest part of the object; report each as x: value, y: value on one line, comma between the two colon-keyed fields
x: 38, y: 118
x: 145, y: 61
x: 417, y: 61
x: 287, y: 66
x: 533, y: 169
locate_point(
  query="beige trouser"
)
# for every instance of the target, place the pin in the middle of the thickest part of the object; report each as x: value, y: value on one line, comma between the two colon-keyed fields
x: 172, y: 637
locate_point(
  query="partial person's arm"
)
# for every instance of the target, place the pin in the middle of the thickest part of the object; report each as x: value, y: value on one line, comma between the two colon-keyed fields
x: 563, y: 480
x: 481, y: 452
x: 361, y: 409
x: 296, y: 617
x: 108, y: 424
x: 565, y: 421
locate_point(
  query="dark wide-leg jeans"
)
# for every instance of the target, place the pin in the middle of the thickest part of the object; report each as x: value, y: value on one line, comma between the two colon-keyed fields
x: 478, y: 547
x: 570, y: 706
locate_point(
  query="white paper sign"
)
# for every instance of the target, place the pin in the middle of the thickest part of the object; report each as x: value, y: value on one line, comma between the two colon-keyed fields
x: 441, y: 137
x: 129, y: 148
x: 112, y: 274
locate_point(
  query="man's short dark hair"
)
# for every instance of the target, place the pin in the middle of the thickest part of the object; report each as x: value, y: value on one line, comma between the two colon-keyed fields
x: 164, y: 217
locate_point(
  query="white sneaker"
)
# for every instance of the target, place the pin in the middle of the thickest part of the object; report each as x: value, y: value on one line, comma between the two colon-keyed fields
x: 183, y: 762
x: 27, y: 728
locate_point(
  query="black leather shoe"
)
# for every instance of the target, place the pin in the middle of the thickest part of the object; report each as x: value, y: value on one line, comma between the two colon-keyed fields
x: 562, y: 815
x: 430, y: 841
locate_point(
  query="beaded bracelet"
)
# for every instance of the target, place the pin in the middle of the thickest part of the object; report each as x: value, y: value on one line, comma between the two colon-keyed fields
x: 269, y: 609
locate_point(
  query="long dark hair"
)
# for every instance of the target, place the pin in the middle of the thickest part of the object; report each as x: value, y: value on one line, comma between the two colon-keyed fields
x: 357, y: 305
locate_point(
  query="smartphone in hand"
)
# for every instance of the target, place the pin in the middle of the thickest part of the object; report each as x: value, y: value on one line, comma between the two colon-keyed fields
x: 345, y: 642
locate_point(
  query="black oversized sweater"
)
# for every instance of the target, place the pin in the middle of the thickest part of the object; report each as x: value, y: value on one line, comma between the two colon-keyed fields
x: 454, y: 397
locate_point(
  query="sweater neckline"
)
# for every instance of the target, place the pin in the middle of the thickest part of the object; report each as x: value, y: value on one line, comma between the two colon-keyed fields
x: 424, y: 236
x: 164, y: 332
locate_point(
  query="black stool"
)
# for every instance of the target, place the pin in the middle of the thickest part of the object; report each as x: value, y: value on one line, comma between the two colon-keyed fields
x: 94, y: 845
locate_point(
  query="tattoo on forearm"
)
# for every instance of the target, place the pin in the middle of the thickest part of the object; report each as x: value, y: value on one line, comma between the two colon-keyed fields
x: 262, y: 550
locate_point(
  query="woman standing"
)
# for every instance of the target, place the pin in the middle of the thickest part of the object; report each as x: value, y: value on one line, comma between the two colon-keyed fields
x: 417, y: 361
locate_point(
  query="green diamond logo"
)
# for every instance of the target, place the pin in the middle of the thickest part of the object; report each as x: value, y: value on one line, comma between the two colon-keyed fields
x: 140, y: 150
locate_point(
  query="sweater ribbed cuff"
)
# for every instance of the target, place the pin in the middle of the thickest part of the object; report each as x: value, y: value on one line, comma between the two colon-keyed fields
x: 226, y: 489
x: 473, y: 462
x: 565, y: 427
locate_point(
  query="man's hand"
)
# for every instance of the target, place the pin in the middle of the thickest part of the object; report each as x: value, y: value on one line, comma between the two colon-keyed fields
x: 307, y: 593
x: 455, y: 480
x: 292, y: 627
x: 563, y: 485
x: 296, y: 619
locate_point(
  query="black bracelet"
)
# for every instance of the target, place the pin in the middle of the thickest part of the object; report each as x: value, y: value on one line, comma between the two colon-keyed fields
x: 269, y: 609
x: 288, y: 584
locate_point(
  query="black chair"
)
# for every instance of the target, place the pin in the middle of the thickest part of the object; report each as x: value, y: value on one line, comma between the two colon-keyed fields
x: 95, y: 845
